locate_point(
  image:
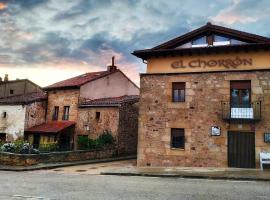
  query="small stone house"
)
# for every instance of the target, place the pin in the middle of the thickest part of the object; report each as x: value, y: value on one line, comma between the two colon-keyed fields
x: 71, y: 101
x: 16, y: 87
x: 20, y: 112
x: 119, y: 115
x: 204, y: 100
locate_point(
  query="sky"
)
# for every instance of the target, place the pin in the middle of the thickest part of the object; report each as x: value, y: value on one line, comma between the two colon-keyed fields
x: 51, y: 40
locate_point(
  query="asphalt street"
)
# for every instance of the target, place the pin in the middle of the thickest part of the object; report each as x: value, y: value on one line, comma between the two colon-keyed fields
x: 79, y: 183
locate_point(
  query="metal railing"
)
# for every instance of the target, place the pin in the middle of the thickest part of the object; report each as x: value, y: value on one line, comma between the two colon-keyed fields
x: 243, y: 113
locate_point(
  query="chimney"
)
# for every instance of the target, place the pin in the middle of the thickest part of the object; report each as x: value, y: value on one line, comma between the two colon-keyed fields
x: 112, y: 67
x: 6, y: 78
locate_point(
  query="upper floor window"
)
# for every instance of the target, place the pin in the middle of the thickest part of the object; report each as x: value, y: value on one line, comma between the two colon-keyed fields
x: 200, y: 42
x: 178, y: 138
x: 97, y: 116
x: 240, y: 94
x: 66, y: 113
x: 178, y: 91
x: 11, y: 91
x: 55, y: 113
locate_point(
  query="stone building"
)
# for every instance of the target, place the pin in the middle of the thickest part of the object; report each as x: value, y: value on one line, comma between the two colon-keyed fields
x: 20, y: 112
x: 205, y: 100
x: 17, y: 87
x: 65, y: 101
x: 119, y: 115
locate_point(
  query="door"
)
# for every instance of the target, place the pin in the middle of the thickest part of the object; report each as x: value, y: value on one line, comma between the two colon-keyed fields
x: 241, y: 149
x: 36, y: 141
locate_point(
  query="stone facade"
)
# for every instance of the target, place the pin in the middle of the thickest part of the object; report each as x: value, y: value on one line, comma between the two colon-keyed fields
x: 128, y: 128
x: 201, y: 110
x: 18, y: 87
x: 35, y: 114
x: 89, y: 125
x: 121, y: 121
x: 61, y: 98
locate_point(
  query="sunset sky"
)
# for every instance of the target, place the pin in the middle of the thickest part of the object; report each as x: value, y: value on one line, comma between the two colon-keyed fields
x: 51, y: 40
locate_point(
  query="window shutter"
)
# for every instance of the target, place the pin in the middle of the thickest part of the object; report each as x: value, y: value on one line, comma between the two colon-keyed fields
x: 178, y: 86
x: 240, y: 84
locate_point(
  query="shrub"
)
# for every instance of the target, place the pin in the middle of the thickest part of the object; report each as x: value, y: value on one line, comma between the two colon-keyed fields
x: 106, y: 138
x: 28, y: 149
x: 48, y: 147
x: 83, y: 142
x: 8, y: 147
x: 18, y: 145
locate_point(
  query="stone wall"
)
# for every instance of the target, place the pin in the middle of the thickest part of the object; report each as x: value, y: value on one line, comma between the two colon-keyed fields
x: 201, y: 110
x: 128, y: 128
x: 87, y: 123
x: 71, y: 156
x: 35, y: 114
x: 63, y: 98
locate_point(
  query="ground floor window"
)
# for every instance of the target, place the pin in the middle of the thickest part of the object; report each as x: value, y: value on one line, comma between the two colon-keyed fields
x: 2, y: 137
x: 178, y: 138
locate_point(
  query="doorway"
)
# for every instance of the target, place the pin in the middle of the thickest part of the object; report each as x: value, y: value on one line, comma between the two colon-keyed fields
x: 36, y: 141
x: 241, y: 149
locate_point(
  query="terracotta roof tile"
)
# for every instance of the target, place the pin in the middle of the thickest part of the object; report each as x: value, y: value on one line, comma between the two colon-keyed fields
x: 77, y: 81
x: 111, y: 101
x: 24, y: 98
x: 51, y: 127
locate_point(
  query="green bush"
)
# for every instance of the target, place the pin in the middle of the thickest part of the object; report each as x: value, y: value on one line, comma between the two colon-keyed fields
x: 18, y: 145
x: 48, y: 147
x: 83, y: 142
x: 105, y: 139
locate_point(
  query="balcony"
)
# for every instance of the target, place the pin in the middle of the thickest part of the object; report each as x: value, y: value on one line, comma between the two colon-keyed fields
x: 241, y: 114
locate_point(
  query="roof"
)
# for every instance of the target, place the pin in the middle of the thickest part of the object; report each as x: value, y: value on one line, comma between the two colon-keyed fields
x: 111, y: 101
x: 24, y: 98
x: 78, y: 81
x: 51, y: 127
x: 254, y: 42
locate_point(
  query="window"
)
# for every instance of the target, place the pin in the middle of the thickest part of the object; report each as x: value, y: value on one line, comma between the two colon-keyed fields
x: 11, y: 91
x: 4, y: 115
x: 178, y: 91
x: 66, y: 113
x: 55, y: 113
x: 200, y: 42
x: 177, y: 138
x: 240, y: 94
x: 97, y: 115
x: 220, y: 40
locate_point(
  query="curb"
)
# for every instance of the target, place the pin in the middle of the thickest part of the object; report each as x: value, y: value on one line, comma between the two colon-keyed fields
x: 187, y: 176
x: 54, y: 166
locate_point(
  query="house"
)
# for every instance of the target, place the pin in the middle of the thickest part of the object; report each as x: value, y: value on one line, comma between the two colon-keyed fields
x: 205, y: 100
x: 17, y: 87
x: 88, y: 105
x: 20, y: 112
x: 119, y: 115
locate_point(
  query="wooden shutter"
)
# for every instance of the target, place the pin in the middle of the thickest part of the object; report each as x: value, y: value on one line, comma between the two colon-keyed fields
x: 179, y: 85
x: 240, y: 84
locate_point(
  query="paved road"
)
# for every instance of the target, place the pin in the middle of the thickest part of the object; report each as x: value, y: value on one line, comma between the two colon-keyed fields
x: 82, y: 182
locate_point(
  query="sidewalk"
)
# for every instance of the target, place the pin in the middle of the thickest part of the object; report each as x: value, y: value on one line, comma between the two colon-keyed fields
x: 63, y: 164
x: 188, y: 172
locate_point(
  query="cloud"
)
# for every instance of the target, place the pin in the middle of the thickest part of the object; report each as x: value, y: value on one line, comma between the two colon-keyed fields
x: 83, y: 35
x: 243, y: 11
